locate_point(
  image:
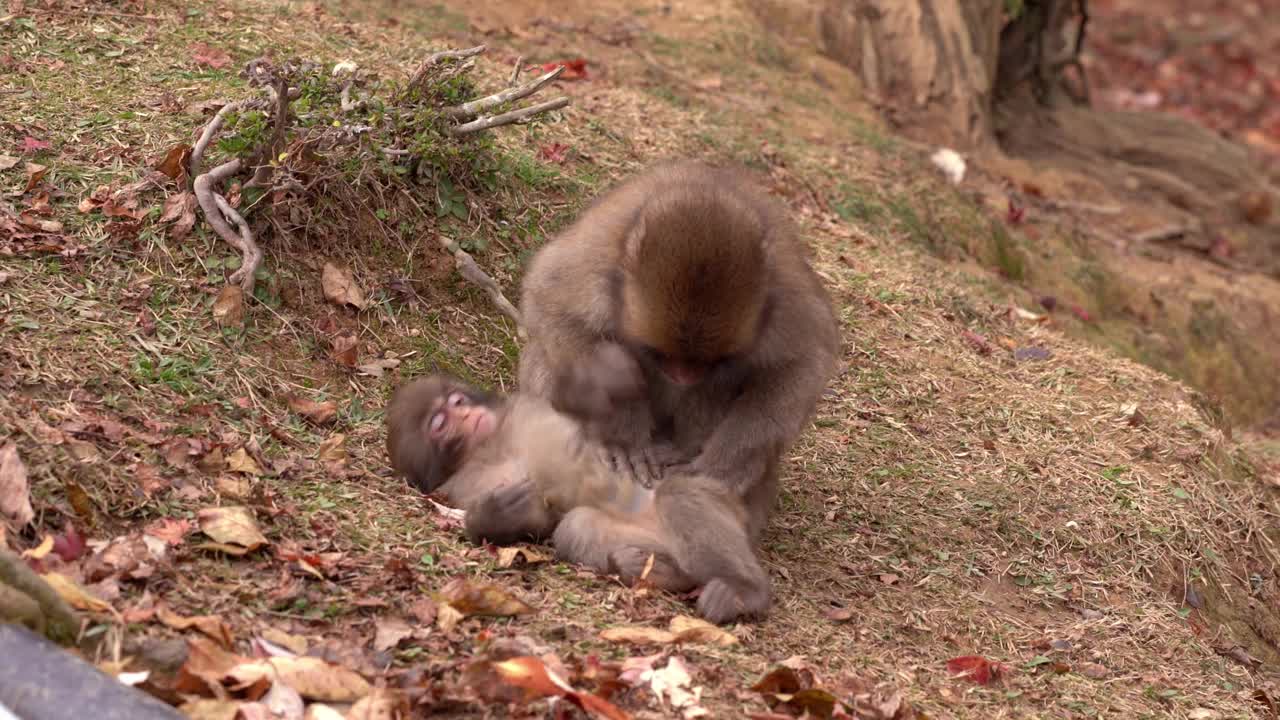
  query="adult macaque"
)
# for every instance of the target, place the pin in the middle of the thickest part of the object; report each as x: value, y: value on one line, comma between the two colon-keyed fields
x: 522, y: 471
x: 700, y: 278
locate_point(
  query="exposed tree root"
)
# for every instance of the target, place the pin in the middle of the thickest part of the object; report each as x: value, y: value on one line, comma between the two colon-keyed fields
x: 265, y: 156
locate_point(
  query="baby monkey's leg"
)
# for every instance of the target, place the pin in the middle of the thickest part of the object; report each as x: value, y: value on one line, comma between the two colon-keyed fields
x: 612, y: 543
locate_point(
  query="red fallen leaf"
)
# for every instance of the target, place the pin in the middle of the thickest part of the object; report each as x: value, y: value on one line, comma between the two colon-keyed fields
x: 1221, y: 248
x: 170, y: 530
x: 979, y: 343
x: 976, y: 669
x: 174, y: 164
x: 204, y: 54
x: 32, y: 145
x: 554, y: 152
x: 527, y: 678
x: 70, y: 545
x: 35, y: 173
x: 575, y: 69
x: 1015, y: 214
x: 1081, y: 313
x: 1032, y: 189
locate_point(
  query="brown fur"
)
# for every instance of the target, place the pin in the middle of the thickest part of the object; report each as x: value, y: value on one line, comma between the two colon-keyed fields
x: 535, y: 477
x: 693, y: 261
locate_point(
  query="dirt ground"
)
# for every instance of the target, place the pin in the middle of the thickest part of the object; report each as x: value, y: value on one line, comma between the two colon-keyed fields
x: 980, y: 479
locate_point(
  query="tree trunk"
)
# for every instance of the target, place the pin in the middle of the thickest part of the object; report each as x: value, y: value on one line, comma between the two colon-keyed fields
x: 929, y: 64
x: 937, y: 67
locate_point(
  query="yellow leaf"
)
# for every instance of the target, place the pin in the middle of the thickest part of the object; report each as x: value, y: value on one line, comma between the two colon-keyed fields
x: 507, y: 556
x: 316, y: 679
x: 209, y: 709
x: 38, y: 552
x: 696, y: 630
x: 241, y: 461
x: 380, y: 704
x: 340, y: 287
x: 638, y: 636
x: 333, y: 449
x: 228, y: 309
x: 471, y: 599
x: 76, y: 596
x: 232, y: 526
x: 210, y: 625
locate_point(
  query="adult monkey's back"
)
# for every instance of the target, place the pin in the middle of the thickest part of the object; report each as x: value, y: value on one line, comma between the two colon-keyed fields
x: 701, y: 277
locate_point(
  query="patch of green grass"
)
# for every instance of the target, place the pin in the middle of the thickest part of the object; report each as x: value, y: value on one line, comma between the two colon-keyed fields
x: 669, y: 94
x: 855, y: 203
x: 1009, y: 258
x: 180, y: 374
x: 905, y: 213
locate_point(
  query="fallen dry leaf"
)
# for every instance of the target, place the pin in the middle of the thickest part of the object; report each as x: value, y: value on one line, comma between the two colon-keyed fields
x: 509, y: 556
x: 295, y: 644
x: 315, y: 679
x: 75, y: 595
x: 683, y: 629
x: 228, y: 309
x: 318, y: 711
x: 210, y: 709
x: 210, y: 625
x: 689, y: 629
x: 526, y: 678
x: 242, y: 462
x: 320, y: 413
x: 8, y: 161
x: 424, y: 610
x: 481, y: 599
x: 40, y: 551
x: 180, y: 209
x: 344, y: 349
x: 283, y: 703
x: 672, y: 683
x: 174, y: 163
x: 233, y: 529
x: 35, y: 173
x: 205, y: 667
x: 340, y: 287
x: 839, y: 615
x: 389, y: 631
x: 975, y: 668
x: 333, y: 451
x: 376, y: 368
x: 380, y: 704
x: 204, y: 54
x: 15, y: 493
x: 575, y: 69
x: 70, y: 544
x: 170, y: 530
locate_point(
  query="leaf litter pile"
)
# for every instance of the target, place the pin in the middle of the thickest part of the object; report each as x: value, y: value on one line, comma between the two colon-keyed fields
x: 985, y: 521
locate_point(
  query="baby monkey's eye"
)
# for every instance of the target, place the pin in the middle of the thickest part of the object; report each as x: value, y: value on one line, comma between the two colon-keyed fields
x: 456, y: 398
x: 437, y: 423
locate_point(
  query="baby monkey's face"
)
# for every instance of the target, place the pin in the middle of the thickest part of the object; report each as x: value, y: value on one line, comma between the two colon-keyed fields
x: 459, y: 421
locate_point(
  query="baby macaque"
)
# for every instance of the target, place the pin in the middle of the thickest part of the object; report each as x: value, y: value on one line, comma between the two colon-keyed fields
x: 523, y: 471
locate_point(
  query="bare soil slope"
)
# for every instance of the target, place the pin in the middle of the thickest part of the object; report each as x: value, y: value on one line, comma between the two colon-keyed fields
x: 976, y: 482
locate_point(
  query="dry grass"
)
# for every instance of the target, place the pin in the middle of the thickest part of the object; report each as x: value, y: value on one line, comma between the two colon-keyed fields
x: 955, y: 502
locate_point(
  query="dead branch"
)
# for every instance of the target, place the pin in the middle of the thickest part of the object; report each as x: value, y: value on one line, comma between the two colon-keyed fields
x: 210, y: 130
x: 515, y: 72
x: 471, y: 272
x: 475, y: 107
x: 515, y: 116
x: 435, y: 58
